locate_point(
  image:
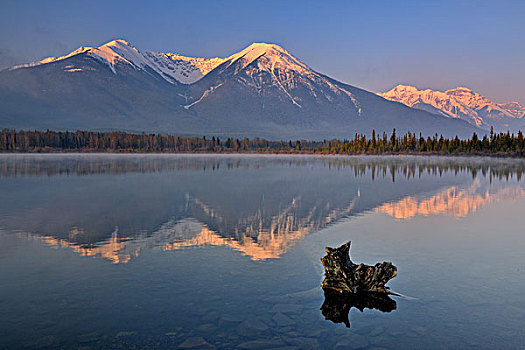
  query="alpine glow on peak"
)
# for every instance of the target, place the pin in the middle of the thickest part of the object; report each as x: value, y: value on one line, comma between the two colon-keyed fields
x: 460, y: 103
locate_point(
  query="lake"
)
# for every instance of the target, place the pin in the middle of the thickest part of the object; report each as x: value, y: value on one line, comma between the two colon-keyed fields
x: 223, y: 251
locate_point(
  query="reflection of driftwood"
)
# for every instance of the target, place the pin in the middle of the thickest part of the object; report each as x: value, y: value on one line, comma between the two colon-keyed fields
x: 343, y: 276
x: 336, y: 306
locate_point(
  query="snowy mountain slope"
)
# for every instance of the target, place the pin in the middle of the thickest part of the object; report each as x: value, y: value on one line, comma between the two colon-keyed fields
x: 263, y: 91
x: 461, y: 103
x: 171, y: 67
x: 265, y: 67
x: 186, y: 70
x: 266, y: 85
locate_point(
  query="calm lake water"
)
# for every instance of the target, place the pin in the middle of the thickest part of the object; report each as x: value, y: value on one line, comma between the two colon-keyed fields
x: 201, y: 252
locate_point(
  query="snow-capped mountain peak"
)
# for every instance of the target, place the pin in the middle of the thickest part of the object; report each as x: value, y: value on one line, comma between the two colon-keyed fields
x: 110, y: 53
x: 119, y: 51
x: 460, y: 102
x: 402, y: 87
x: 462, y: 89
x: 119, y: 43
x: 171, y: 67
x: 78, y: 51
x: 271, y: 54
x: 269, y: 69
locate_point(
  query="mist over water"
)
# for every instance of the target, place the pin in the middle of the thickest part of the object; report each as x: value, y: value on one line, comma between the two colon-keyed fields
x: 224, y: 250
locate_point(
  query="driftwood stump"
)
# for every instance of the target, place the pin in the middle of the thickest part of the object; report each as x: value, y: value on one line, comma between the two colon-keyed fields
x: 343, y: 276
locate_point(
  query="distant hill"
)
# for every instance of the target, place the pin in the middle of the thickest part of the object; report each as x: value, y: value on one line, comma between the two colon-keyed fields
x: 261, y: 91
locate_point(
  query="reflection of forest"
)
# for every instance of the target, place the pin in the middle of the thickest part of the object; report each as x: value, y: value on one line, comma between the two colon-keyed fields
x: 374, y: 166
x: 260, y: 206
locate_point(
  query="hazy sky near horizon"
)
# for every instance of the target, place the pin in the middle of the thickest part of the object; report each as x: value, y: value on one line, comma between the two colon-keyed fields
x: 374, y: 45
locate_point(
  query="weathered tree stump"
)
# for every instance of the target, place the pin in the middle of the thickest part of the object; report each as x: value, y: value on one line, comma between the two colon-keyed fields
x: 343, y: 276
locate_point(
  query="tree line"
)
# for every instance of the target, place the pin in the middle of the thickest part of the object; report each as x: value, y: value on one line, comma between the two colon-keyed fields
x: 409, y: 143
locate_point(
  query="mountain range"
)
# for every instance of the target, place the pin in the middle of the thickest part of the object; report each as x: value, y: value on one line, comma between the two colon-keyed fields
x: 461, y: 103
x: 261, y: 91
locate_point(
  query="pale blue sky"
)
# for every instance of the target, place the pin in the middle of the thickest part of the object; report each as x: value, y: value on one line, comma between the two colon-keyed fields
x: 370, y: 44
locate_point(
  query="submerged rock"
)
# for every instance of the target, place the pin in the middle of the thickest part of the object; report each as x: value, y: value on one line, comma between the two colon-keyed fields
x: 354, y: 342
x: 124, y: 334
x: 282, y: 320
x: 89, y: 337
x: 287, y: 308
x: 195, y: 343
x: 207, y: 328
x: 261, y: 344
x: 252, y: 328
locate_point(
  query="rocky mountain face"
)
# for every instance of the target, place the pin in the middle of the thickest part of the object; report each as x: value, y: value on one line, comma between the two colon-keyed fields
x: 261, y: 91
x: 461, y: 103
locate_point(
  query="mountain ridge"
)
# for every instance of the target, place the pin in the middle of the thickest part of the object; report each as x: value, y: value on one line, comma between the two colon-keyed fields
x: 262, y: 90
x: 461, y: 103
x: 165, y: 64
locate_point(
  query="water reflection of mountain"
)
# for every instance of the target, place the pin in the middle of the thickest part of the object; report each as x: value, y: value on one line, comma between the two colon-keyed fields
x: 260, y: 207
x: 256, y: 236
x: 453, y: 201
